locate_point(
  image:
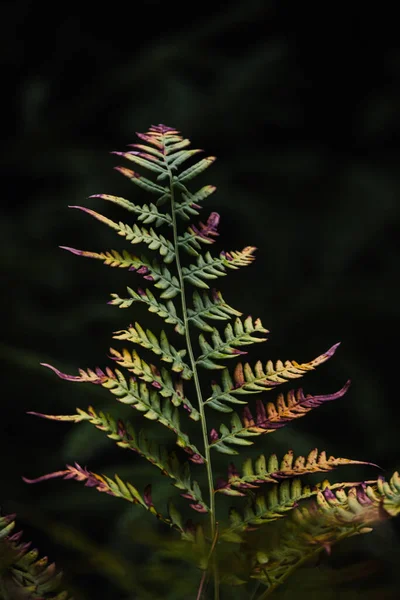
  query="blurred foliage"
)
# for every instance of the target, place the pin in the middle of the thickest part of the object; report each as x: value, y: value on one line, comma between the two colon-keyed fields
x: 300, y: 106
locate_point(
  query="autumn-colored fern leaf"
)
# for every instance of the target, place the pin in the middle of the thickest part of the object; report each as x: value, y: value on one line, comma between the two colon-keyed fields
x: 248, y: 380
x: 22, y: 573
x: 102, y: 483
x: 159, y: 372
x: 271, y: 470
x: 268, y: 418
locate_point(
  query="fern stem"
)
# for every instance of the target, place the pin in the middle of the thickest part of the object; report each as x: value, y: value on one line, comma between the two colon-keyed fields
x: 207, y: 453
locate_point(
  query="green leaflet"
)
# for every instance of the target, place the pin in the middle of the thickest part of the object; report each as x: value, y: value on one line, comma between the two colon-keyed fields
x: 148, y: 213
x: 208, y: 267
x: 166, y: 311
x: 238, y: 335
x: 151, y: 271
x: 214, y: 308
x: 188, y: 206
x: 161, y: 347
x: 146, y: 184
x: 137, y: 235
x: 195, y: 169
x: 160, y: 380
x: 23, y: 574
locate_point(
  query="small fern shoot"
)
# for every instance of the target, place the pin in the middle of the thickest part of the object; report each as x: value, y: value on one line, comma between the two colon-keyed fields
x: 162, y: 375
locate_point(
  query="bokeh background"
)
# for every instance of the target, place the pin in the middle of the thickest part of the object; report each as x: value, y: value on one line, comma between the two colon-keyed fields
x: 300, y: 102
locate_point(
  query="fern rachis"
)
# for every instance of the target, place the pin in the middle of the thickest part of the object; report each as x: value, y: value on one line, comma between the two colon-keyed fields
x: 169, y: 387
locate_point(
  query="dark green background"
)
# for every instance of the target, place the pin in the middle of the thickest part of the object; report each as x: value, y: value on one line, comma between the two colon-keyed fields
x: 300, y: 103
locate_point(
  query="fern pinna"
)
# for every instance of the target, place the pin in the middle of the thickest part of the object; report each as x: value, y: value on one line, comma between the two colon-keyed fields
x: 22, y: 573
x: 176, y: 286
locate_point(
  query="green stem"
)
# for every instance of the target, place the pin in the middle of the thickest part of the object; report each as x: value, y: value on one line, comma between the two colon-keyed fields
x: 196, y: 380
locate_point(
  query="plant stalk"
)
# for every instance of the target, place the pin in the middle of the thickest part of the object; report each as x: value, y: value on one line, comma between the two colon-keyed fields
x: 196, y: 380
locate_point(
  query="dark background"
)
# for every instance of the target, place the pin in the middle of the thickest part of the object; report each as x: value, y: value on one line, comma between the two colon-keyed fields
x: 300, y: 103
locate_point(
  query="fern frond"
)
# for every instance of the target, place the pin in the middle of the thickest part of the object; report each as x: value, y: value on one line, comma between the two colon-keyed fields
x: 161, y: 381
x: 146, y: 160
x: 165, y: 311
x: 137, y: 235
x: 146, y: 184
x: 207, y: 267
x: 276, y: 502
x: 195, y: 169
x: 102, y: 483
x: 271, y: 470
x: 189, y: 204
x: 205, y: 307
x: 175, y: 158
x: 141, y: 398
x: 151, y: 271
x: 192, y: 239
x: 125, y: 436
x: 148, y: 213
x: 268, y: 418
x: 238, y: 335
x: 161, y: 347
x: 23, y: 574
x: 248, y: 380
x: 315, y: 527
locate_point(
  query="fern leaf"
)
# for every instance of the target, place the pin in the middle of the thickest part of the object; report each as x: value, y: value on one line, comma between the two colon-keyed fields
x: 208, y: 267
x: 192, y: 239
x: 210, y: 308
x: 189, y: 204
x: 137, y: 235
x: 161, y: 347
x: 165, y: 311
x: 177, y: 157
x: 270, y: 470
x: 268, y: 418
x: 148, y: 213
x: 141, y: 398
x: 195, y: 169
x: 161, y: 381
x: 314, y: 528
x: 146, y: 184
x: 248, y: 380
x: 238, y: 335
x: 275, y: 503
x: 23, y: 574
x: 145, y: 160
x: 153, y: 272
x: 125, y: 436
x: 174, y: 143
x: 102, y: 483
